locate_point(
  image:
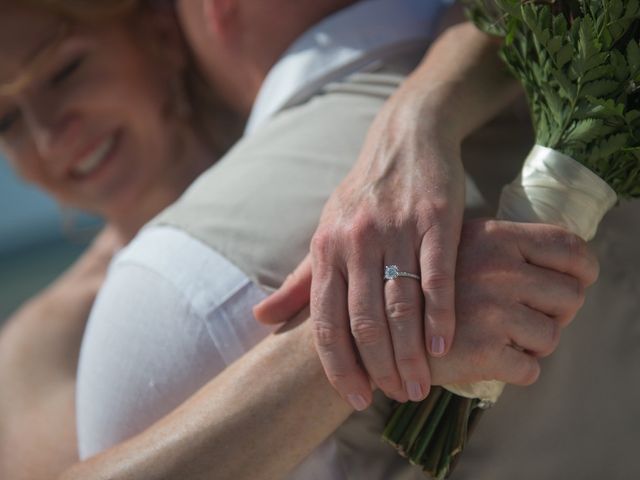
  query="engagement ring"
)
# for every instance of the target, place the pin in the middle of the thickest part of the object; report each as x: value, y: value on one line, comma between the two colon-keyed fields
x: 391, y: 272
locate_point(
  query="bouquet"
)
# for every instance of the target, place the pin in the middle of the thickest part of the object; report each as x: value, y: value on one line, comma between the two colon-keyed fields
x: 579, y: 64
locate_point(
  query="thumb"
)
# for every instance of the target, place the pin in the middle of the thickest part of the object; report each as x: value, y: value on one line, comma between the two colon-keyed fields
x: 289, y: 299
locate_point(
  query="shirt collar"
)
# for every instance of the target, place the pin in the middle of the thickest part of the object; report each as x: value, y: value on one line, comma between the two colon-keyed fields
x: 341, y: 44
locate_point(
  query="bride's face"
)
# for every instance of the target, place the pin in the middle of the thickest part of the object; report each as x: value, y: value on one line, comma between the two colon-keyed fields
x: 83, y: 110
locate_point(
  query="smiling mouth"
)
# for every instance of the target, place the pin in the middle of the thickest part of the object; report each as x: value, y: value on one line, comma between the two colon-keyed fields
x: 94, y: 160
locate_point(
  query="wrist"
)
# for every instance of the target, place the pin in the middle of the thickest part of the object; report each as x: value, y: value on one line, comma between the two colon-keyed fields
x: 462, y: 83
x: 440, y: 113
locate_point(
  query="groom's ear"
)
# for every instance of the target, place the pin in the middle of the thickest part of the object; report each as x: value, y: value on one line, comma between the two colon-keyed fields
x: 221, y: 17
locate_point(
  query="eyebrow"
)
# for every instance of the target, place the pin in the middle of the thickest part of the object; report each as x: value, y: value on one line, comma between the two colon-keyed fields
x: 35, y: 59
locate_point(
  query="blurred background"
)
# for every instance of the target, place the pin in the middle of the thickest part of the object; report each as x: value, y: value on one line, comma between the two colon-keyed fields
x: 37, y: 240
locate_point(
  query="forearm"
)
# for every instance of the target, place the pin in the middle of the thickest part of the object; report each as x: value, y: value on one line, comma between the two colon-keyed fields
x: 39, y: 348
x: 461, y: 83
x: 49, y: 326
x: 38, y: 352
x: 256, y: 420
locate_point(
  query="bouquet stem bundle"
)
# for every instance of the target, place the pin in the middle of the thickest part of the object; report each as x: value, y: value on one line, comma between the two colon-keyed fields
x: 579, y: 64
x: 433, y: 433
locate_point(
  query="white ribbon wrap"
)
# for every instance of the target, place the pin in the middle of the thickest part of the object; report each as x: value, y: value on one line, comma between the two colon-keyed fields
x: 552, y: 188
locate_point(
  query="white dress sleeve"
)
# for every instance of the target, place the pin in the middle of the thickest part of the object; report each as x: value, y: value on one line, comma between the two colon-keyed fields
x: 162, y: 326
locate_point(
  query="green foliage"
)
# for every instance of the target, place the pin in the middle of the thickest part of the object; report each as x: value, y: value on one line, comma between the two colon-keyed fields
x: 579, y: 64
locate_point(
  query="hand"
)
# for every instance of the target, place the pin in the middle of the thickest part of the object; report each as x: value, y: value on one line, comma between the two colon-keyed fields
x: 517, y: 286
x: 384, y: 214
x: 402, y: 204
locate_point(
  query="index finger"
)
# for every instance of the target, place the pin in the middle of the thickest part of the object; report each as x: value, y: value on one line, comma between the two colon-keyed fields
x: 556, y: 248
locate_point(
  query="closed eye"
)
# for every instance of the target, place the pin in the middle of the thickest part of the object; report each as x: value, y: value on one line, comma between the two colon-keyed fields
x: 67, y: 71
x: 8, y: 120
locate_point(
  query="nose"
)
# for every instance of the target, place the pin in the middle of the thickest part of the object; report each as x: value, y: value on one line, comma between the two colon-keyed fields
x: 51, y: 128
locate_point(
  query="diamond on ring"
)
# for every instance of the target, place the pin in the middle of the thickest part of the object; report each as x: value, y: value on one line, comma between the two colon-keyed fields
x: 391, y: 272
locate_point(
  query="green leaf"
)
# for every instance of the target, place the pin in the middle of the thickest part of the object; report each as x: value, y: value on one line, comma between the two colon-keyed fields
x: 586, y: 131
x: 564, y: 55
x: 601, y: 88
x: 616, y: 9
x: 567, y: 87
x: 607, y: 107
x: 633, y: 9
x: 619, y: 64
x: 530, y: 16
x: 633, y: 57
x: 596, y: 61
x: 557, y: 107
x: 544, y: 36
x: 554, y: 45
x: 613, y: 144
x: 635, y: 151
x: 632, y: 116
x: 598, y: 73
x: 559, y: 25
x: 543, y: 130
x: 588, y: 45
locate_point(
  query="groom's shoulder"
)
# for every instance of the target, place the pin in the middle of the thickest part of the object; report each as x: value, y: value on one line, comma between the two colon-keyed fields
x: 259, y: 205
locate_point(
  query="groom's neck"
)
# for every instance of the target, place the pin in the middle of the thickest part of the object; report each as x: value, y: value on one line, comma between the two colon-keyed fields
x: 237, y: 53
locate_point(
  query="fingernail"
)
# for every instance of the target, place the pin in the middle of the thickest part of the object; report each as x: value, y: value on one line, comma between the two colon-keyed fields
x: 437, y: 345
x: 414, y: 390
x: 357, y: 401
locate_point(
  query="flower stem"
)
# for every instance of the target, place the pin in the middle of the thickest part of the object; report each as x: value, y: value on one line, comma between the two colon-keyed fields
x: 422, y: 443
x: 433, y: 433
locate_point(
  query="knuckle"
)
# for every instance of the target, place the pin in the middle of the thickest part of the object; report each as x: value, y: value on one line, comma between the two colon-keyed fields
x: 565, y: 320
x: 578, y: 253
x: 439, y: 206
x: 576, y: 246
x: 361, y: 231
x: 594, y: 269
x: 576, y: 297
x: 529, y: 373
x: 580, y: 295
x: 366, y: 331
x: 388, y: 383
x: 552, y: 340
x: 401, y: 312
x: 411, y: 363
x: 488, y: 227
x: 338, y: 379
x: 437, y: 281
x: 322, y: 244
x: 554, y: 334
x: 360, y: 307
x: 480, y: 353
x: 326, y: 334
x: 573, y: 303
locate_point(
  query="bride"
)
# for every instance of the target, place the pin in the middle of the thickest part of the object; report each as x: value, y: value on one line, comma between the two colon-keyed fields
x: 98, y: 107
